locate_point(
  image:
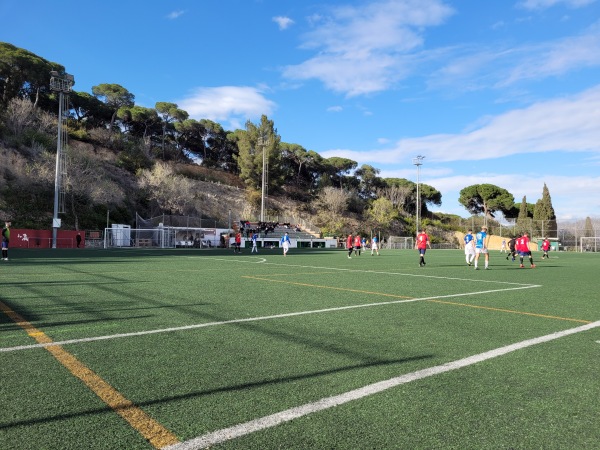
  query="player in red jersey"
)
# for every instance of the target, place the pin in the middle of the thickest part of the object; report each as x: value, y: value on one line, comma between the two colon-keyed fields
x: 524, y: 249
x: 546, y: 248
x: 349, y: 245
x: 421, y: 245
x: 357, y: 245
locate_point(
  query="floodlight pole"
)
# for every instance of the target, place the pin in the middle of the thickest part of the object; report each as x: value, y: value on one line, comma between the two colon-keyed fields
x: 263, y: 142
x: 62, y: 84
x: 418, y: 161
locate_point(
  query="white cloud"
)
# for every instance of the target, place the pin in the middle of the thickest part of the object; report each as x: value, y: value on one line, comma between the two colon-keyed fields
x: 354, y: 59
x: 234, y: 104
x: 564, y: 124
x: 557, y: 58
x: 335, y: 109
x: 175, y: 14
x: 472, y: 68
x: 543, y: 4
x: 567, y: 124
x: 565, y: 191
x: 283, y: 22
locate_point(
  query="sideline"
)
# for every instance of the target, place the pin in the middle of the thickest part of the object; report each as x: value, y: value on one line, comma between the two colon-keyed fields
x: 273, y: 420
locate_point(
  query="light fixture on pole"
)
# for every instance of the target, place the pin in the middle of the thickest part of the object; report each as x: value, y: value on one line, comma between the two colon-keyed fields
x: 263, y: 141
x: 418, y: 161
x: 63, y: 84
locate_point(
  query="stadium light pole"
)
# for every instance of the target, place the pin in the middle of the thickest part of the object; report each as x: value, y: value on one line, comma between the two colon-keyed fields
x: 263, y: 142
x: 63, y: 84
x: 418, y: 161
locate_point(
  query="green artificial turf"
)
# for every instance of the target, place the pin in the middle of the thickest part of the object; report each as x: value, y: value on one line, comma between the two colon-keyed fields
x: 224, y: 339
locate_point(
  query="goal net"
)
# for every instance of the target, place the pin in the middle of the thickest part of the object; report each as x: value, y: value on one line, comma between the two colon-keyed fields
x: 139, y: 237
x: 589, y: 244
x: 401, y: 242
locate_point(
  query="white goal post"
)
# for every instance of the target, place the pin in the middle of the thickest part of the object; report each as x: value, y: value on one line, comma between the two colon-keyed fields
x: 125, y: 237
x: 401, y: 242
x: 589, y: 244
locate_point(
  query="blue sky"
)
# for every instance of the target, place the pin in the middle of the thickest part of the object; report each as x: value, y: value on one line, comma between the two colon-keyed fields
x: 504, y: 92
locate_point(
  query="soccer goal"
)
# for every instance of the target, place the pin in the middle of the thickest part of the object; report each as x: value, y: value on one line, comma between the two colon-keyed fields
x: 401, y: 242
x: 589, y: 244
x: 139, y: 237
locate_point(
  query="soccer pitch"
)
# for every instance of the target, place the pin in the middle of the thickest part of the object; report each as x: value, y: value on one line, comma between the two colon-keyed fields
x: 189, y: 348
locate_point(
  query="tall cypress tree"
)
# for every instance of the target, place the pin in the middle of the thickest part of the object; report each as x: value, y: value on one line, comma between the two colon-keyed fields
x: 544, y: 218
x: 588, y: 230
x: 523, y: 218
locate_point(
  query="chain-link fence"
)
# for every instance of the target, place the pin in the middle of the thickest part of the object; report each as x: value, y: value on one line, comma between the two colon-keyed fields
x: 568, y: 233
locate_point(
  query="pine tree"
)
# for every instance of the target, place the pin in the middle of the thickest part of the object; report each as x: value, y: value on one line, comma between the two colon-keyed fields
x: 544, y: 218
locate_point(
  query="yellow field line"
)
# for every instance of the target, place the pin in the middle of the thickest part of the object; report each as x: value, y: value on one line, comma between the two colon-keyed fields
x: 299, y: 273
x: 151, y: 430
x: 510, y: 311
x: 326, y: 287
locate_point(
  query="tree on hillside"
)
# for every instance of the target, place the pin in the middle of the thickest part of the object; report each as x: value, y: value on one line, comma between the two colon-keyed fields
x: 429, y: 196
x: 337, y: 168
x: 172, y: 193
x: 19, y: 115
x: 24, y: 74
x: 252, y: 143
x: 88, y: 110
x: 403, y: 194
x: 398, y: 191
x: 115, y: 97
x: 370, y: 182
x: 382, y: 212
x: 486, y: 199
x: 169, y: 112
x: 294, y: 157
x: 544, y: 218
x: 331, y: 205
x: 218, y: 151
x: 87, y: 183
x: 139, y: 121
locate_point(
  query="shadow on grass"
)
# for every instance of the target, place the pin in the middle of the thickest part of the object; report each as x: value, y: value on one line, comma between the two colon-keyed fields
x: 239, y: 387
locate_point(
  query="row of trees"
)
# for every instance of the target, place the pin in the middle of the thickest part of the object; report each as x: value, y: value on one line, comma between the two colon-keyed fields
x: 488, y: 199
x: 143, y: 136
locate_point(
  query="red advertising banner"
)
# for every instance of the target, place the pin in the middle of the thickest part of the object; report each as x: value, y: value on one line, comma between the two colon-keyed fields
x: 22, y: 238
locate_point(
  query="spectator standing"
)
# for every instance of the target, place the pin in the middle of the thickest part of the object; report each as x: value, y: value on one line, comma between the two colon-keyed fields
x: 78, y: 239
x: 422, y: 244
x: 5, y: 240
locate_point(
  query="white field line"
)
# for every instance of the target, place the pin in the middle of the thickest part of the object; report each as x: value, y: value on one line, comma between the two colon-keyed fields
x: 272, y: 420
x: 254, y: 319
x: 342, y: 269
